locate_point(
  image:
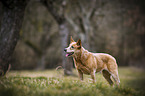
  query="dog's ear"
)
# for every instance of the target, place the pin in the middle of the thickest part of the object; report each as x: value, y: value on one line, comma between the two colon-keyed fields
x: 79, y: 43
x: 71, y: 39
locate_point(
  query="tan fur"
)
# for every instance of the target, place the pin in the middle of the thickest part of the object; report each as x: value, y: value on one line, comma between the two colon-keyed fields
x: 89, y: 63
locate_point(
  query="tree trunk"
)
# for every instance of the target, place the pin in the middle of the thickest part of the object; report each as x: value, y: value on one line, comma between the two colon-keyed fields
x: 87, y: 31
x: 10, y: 28
x: 63, y: 31
x: 66, y: 62
x: 41, y: 62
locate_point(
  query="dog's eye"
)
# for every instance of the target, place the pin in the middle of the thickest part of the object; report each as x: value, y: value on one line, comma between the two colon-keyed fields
x: 72, y: 46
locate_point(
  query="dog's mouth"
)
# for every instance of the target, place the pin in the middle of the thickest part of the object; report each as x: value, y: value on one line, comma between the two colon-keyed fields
x: 69, y: 54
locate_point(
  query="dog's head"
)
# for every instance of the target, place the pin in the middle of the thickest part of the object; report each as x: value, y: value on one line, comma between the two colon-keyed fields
x: 74, y: 47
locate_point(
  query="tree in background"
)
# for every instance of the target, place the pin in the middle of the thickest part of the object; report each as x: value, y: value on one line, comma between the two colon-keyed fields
x: 37, y: 36
x: 57, y: 10
x: 80, y: 18
x: 10, y: 27
x: 134, y: 25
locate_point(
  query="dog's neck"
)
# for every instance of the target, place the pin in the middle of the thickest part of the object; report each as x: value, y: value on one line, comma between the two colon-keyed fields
x: 80, y: 55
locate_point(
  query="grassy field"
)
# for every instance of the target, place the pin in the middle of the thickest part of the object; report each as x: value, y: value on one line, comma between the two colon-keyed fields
x: 53, y: 83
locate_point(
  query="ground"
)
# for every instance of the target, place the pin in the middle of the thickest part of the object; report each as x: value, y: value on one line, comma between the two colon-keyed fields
x: 53, y: 83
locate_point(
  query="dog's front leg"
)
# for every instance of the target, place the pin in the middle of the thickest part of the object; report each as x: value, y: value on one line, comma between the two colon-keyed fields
x: 80, y: 74
x: 93, y: 76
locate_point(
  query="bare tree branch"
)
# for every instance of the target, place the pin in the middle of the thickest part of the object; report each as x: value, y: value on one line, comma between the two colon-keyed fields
x: 92, y: 10
x: 74, y: 25
x: 49, y: 4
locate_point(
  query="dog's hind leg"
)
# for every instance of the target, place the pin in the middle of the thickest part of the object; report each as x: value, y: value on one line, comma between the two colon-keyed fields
x: 115, y: 77
x: 107, y: 76
x: 113, y: 70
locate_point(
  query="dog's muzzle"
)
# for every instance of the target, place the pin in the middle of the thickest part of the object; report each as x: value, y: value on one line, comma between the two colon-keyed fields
x: 68, y: 53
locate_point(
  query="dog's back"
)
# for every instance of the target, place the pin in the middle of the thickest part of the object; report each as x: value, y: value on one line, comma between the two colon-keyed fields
x: 105, y: 61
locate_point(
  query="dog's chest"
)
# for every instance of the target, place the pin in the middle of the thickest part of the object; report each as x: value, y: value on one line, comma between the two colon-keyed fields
x: 83, y: 68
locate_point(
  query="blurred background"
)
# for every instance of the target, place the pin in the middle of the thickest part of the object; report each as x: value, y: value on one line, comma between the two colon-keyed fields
x: 116, y: 27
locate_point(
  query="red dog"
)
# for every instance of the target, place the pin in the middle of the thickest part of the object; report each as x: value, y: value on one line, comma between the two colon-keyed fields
x: 89, y: 63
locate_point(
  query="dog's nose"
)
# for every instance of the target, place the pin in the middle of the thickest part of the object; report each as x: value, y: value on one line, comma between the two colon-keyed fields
x: 65, y: 49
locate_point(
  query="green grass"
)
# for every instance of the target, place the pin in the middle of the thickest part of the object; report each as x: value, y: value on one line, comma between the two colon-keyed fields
x: 53, y: 83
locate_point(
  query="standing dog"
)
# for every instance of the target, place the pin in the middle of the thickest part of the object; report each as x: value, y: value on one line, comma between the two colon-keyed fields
x: 90, y: 63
